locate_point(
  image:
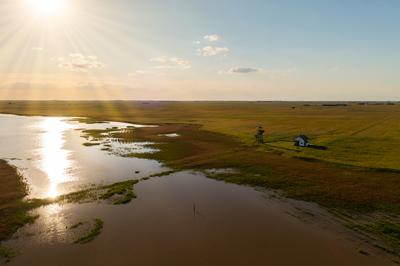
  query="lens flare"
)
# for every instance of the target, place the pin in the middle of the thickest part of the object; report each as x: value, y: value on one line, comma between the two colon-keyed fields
x: 46, y: 8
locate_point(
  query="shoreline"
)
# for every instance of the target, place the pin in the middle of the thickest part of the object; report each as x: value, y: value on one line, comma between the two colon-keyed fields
x: 13, y: 209
x: 12, y: 192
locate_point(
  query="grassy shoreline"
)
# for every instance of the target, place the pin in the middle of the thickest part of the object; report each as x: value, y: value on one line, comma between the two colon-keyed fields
x: 12, y: 192
x: 14, y: 212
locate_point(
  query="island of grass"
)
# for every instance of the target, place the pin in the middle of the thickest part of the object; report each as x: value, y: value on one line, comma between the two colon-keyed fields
x: 92, y: 234
x: 121, y: 192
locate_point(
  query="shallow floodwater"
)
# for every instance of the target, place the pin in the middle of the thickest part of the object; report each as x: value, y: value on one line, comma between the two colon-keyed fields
x: 50, y: 154
x: 180, y: 219
x: 187, y: 219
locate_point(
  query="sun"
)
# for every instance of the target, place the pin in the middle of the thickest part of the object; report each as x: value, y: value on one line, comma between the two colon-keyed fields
x: 46, y: 8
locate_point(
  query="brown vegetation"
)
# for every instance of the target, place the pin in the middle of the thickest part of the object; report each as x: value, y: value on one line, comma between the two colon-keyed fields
x: 12, y: 192
x: 329, y: 184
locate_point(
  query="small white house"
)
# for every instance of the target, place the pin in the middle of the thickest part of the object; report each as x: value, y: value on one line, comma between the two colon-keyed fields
x: 301, y: 141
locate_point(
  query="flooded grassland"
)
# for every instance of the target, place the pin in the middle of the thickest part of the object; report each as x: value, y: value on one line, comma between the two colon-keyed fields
x: 115, y: 194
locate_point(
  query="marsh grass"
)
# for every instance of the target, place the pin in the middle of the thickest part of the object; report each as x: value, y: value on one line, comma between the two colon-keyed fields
x: 161, y: 174
x: 88, y: 144
x: 126, y: 198
x: 24, y: 218
x: 94, y: 232
x: 94, y: 133
x: 85, y: 195
x: 87, y: 120
x: 74, y: 226
x: 7, y: 253
x: 120, y: 193
x: 383, y: 231
x: 98, y: 134
x: 388, y: 229
x: 363, y: 252
x: 14, y: 210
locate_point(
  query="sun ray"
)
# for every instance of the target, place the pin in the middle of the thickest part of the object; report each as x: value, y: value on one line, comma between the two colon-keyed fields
x: 46, y: 8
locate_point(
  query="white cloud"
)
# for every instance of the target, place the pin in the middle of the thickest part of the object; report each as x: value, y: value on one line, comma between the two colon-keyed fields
x: 212, y: 38
x: 213, y: 50
x: 166, y: 62
x: 80, y: 63
x: 243, y: 70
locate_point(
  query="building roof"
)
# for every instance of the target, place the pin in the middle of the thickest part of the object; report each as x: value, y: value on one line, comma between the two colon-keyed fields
x: 304, y: 137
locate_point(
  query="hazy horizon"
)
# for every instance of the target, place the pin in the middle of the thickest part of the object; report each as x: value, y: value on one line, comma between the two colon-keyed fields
x: 199, y: 50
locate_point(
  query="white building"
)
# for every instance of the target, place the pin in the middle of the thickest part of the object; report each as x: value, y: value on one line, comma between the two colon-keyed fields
x: 301, y: 141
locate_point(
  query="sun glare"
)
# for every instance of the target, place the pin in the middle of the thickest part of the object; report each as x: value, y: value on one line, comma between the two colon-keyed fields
x: 55, y: 160
x: 47, y: 8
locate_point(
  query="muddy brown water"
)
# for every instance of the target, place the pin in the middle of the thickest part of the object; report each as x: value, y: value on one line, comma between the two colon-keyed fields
x: 180, y: 219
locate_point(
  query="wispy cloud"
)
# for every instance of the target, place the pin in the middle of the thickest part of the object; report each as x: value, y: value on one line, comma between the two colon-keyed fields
x: 212, y: 38
x: 80, y: 63
x: 243, y: 70
x: 143, y: 73
x: 165, y: 62
x: 213, y: 50
x: 37, y: 49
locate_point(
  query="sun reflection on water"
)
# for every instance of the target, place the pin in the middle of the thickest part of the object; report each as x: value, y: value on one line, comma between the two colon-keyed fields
x: 55, y: 160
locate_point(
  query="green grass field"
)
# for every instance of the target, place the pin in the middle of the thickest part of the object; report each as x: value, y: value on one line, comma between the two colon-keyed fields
x: 361, y: 135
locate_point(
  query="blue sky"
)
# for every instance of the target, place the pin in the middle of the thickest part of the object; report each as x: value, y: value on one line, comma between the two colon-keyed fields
x: 201, y: 50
